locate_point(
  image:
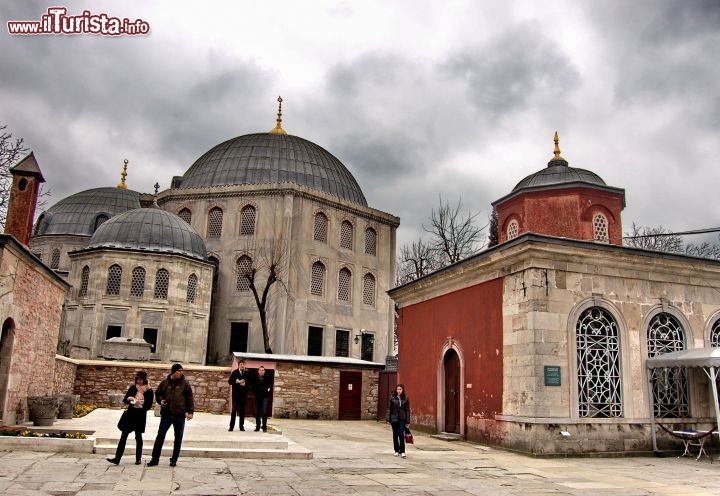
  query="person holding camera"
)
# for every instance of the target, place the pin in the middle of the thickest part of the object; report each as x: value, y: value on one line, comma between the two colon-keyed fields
x: 139, y: 399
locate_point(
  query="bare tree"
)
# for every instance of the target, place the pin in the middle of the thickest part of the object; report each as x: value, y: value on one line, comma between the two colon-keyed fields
x: 455, y: 236
x: 416, y: 260
x: 265, y: 268
x: 10, y: 151
x: 659, y: 238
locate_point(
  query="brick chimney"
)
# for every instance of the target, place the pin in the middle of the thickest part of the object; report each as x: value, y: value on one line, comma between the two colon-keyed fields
x: 23, y: 199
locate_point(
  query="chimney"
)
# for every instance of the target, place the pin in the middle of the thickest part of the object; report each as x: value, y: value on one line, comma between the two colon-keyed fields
x: 23, y: 198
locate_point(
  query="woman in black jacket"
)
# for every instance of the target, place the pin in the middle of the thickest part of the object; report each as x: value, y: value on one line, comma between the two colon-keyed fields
x: 398, y: 414
x: 139, y: 399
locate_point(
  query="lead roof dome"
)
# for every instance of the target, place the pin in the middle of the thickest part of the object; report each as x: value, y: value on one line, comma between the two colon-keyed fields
x: 559, y: 172
x: 149, y: 229
x: 267, y: 158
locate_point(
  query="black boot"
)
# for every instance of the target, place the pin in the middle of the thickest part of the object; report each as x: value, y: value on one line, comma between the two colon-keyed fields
x: 114, y: 461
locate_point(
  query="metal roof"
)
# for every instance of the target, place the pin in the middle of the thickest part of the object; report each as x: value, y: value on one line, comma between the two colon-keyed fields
x: 559, y: 172
x: 698, y: 357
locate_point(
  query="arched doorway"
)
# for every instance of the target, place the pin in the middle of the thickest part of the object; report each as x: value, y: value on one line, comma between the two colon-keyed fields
x: 7, y: 337
x: 451, y: 364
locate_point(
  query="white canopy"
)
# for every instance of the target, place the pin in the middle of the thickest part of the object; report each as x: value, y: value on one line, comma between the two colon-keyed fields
x: 699, y: 357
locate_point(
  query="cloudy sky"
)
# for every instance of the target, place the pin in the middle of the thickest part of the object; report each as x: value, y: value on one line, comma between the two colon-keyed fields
x: 417, y: 98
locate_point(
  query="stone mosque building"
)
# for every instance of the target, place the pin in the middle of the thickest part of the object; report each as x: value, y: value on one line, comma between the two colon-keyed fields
x: 163, y: 276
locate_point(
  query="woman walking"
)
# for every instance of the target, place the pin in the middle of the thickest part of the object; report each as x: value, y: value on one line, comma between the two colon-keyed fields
x: 139, y: 399
x: 398, y: 414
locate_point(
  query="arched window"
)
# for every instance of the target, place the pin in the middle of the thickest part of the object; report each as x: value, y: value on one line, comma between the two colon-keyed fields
x: 321, y: 227
x: 598, y: 364
x: 84, y: 280
x: 191, y: 288
x: 247, y: 220
x: 346, y: 235
x: 513, y: 229
x: 344, y: 284
x: 99, y: 220
x: 370, y: 241
x: 317, y: 282
x: 244, y: 266
x: 670, y: 388
x: 600, y: 228
x: 186, y: 215
x: 137, y: 286
x: 55, y: 259
x: 369, y: 289
x: 715, y: 334
x: 215, y: 219
x: 162, y: 281
x: 113, y: 281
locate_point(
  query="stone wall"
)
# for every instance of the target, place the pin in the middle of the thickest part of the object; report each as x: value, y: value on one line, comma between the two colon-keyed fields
x: 65, y: 370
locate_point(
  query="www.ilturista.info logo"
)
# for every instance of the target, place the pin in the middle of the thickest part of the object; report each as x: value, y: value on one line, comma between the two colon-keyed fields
x: 56, y: 21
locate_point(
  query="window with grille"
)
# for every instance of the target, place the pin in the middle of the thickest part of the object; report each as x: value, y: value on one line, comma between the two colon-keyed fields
x: 162, y: 281
x: 346, y: 235
x: 715, y: 334
x: 315, y: 337
x: 99, y: 221
x: 186, y: 215
x: 670, y: 386
x: 137, y: 286
x: 598, y: 365
x: 342, y: 343
x: 238, y: 336
x: 114, y: 279
x: 247, y: 220
x: 150, y: 335
x: 600, y: 228
x: 369, y: 289
x: 244, y: 266
x: 55, y: 259
x: 113, y: 331
x: 370, y: 241
x: 344, y: 284
x: 215, y: 220
x: 317, y: 282
x: 191, y: 288
x: 513, y: 229
x: 321, y: 227
x: 84, y: 280
x: 367, y: 346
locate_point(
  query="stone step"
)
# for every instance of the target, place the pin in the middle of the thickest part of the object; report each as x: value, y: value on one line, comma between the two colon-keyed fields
x: 265, y: 443
x: 447, y: 436
x: 296, y: 453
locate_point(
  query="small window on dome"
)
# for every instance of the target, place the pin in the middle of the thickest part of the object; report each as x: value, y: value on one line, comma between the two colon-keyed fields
x: 99, y: 221
x: 137, y: 285
x: 600, y: 228
x: 513, y: 229
x: 162, y: 281
x: 113, y: 281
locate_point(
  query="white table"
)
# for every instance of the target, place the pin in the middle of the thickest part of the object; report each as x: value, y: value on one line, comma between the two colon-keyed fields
x: 693, y: 439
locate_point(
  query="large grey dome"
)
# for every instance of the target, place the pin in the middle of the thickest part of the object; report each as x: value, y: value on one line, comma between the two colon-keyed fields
x: 149, y: 229
x: 80, y: 213
x: 558, y: 172
x: 266, y: 158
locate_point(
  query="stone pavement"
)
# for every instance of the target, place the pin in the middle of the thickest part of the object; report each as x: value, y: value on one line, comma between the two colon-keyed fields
x: 349, y: 458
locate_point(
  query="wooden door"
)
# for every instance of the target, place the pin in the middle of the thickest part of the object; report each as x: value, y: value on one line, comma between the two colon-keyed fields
x: 350, y: 395
x: 386, y: 383
x: 452, y: 392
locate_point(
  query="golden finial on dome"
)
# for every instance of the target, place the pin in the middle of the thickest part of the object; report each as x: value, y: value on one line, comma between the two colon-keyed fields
x: 278, y: 126
x: 123, y: 175
x: 556, y: 152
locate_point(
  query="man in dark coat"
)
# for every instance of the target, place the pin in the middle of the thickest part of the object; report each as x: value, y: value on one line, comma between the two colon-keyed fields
x: 240, y: 382
x: 262, y: 389
x: 176, y: 405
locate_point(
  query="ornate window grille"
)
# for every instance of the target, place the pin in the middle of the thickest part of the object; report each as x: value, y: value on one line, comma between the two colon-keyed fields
x: 370, y: 241
x: 191, y: 288
x: 243, y: 266
x: 114, y: 278
x: 137, y: 285
x: 55, y: 259
x: 344, y: 284
x: 369, y: 289
x: 162, y: 281
x: 247, y: 220
x: 600, y: 228
x: 670, y: 385
x: 598, y: 365
x: 342, y: 343
x: 715, y: 334
x: 186, y: 215
x: 84, y: 280
x: 346, y: 235
x: 215, y: 220
x: 367, y: 346
x: 317, y: 282
x: 321, y: 226
x: 99, y: 221
x: 513, y: 229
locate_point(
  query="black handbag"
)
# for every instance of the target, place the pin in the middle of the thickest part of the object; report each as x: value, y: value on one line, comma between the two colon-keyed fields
x: 125, y: 423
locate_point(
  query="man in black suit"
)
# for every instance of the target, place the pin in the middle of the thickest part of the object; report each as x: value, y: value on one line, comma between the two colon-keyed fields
x: 240, y: 382
x: 262, y: 389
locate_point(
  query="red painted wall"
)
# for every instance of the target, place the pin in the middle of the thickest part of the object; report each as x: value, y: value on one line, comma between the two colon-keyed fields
x: 473, y: 318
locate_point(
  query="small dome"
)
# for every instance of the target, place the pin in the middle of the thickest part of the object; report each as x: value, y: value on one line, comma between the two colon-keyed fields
x: 268, y: 158
x: 558, y: 172
x: 79, y: 214
x: 149, y: 229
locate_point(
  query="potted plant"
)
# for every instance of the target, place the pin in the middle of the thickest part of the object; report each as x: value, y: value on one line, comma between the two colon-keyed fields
x: 43, y: 409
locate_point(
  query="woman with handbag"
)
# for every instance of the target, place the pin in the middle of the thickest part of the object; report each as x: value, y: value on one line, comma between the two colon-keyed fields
x: 398, y: 414
x: 139, y: 399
